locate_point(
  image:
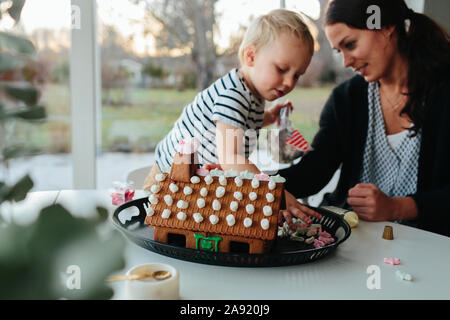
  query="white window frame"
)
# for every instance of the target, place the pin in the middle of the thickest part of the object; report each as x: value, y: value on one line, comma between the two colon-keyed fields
x: 85, y: 88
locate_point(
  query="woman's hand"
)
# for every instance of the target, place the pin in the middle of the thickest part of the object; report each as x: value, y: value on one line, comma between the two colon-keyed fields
x: 272, y: 114
x: 296, y: 209
x: 370, y: 203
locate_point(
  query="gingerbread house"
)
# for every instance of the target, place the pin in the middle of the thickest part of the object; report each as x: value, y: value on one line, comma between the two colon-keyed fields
x: 214, y: 210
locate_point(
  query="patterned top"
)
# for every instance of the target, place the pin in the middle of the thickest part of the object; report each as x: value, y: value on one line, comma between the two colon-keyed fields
x: 227, y: 100
x: 392, y: 169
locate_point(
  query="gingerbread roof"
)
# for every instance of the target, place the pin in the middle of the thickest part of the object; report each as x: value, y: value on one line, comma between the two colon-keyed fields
x: 156, y: 217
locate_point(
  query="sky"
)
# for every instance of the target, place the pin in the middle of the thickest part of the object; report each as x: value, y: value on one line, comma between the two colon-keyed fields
x: 55, y: 14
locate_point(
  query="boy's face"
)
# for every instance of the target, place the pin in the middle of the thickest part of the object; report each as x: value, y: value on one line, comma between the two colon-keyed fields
x: 274, y: 69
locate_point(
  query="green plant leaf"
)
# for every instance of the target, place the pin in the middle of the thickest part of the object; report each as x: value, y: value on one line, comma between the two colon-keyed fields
x: 23, y: 92
x: 16, y: 44
x: 19, y: 191
x: 10, y: 62
x: 30, y: 113
x: 16, y: 9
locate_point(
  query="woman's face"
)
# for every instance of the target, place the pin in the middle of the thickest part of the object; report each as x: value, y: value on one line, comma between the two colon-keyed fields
x: 368, y: 52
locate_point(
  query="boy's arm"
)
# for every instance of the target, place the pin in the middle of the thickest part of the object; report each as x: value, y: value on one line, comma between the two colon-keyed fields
x: 273, y: 113
x: 230, y: 148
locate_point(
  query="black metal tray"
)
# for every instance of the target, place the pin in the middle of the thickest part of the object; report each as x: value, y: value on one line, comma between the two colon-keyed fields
x: 284, y: 252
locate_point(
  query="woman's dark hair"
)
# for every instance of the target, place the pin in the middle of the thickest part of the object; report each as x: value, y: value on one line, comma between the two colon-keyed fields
x: 425, y: 45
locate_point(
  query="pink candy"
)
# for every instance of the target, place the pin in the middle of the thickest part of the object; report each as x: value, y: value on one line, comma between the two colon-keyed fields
x: 202, y: 172
x: 262, y: 176
x: 326, y: 240
x: 393, y: 261
x: 324, y: 234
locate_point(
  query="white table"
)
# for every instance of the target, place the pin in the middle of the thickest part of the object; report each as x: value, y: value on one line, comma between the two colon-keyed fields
x: 341, y: 275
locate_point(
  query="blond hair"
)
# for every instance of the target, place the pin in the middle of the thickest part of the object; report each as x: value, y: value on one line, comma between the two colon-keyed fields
x: 265, y: 29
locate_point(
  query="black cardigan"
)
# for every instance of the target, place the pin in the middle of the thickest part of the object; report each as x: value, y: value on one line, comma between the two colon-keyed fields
x: 341, y: 139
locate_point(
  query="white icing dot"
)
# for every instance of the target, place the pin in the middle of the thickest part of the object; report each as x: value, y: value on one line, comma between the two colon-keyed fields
x: 267, y: 210
x: 173, y: 187
x: 197, y: 217
x: 250, y: 209
x: 238, y: 195
x: 248, y: 222
x: 195, y: 179
x: 208, y: 179
x: 182, y: 204
x: 150, y: 211
x: 166, y: 214
x: 255, y: 183
x: 153, y: 199
x: 272, y: 185
x: 223, y: 180
x: 203, y: 192
x: 200, y: 203
x: 187, y: 190
x: 160, y: 177
x: 220, y: 192
x: 216, y: 205
x: 270, y: 197
x: 155, y: 188
x: 181, y: 216
x: 213, y: 219
x: 233, y: 206
x: 238, y: 181
x: 265, y: 224
x: 252, y: 196
x: 168, y: 199
x: 230, y: 220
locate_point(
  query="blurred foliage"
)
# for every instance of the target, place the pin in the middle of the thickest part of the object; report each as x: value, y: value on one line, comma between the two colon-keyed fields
x: 36, y: 260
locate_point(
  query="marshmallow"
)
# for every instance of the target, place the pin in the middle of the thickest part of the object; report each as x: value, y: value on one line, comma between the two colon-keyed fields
x: 230, y: 220
x: 250, y: 209
x: 403, y: 275
x: 187, y: 190
x: 160, y: 177
x: 150, y: 211
x: 248, y: 222
x: 168, y: 199
x: 181, y: 204
x: 213, y: 219
x: 265, y: 224
x: 202, y: 172
x: 309, y: 240
x: 272, y: 185
x: 153, y: 199
x: 195, y: 179
x: 200, y: 203
x: 166, y: 214
x: 181, y: 216
x: 203, y: 192
x: 233, y: 206
x: 155, y: 188
x: 208, y: 179
x: 216, y: 172
x: 173, y: 187
x: 223, y: 180
x: 216, y: 205
x: 278, y: 178
x: 255, y: 183
x: 267, y: 210
x: 220, y: 192
x: 231, y: 173
x: 238, y: 181
x: 253, y: 196
x: 270, y: 197
x: 197, y: 217
x: 238, y: 195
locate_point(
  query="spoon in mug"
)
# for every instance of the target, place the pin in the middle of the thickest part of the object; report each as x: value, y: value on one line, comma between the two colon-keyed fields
x: 157, y: 275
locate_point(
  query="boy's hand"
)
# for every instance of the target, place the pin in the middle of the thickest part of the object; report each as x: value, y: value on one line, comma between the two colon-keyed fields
x: 272, y: 114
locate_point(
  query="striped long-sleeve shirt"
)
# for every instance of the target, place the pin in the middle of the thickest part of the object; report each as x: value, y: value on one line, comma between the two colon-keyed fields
x: 227, y: 100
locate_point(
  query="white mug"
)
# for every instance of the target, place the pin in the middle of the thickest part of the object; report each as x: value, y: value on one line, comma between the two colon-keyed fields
x: 152, y: 289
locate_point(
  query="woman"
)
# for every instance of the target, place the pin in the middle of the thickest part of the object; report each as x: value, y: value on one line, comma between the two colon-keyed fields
x: 388, y: 127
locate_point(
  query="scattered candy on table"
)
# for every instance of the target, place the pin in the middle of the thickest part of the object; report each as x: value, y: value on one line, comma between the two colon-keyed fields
x: 403, y: 276
x: 393, y: 261
x: 122, y: 192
